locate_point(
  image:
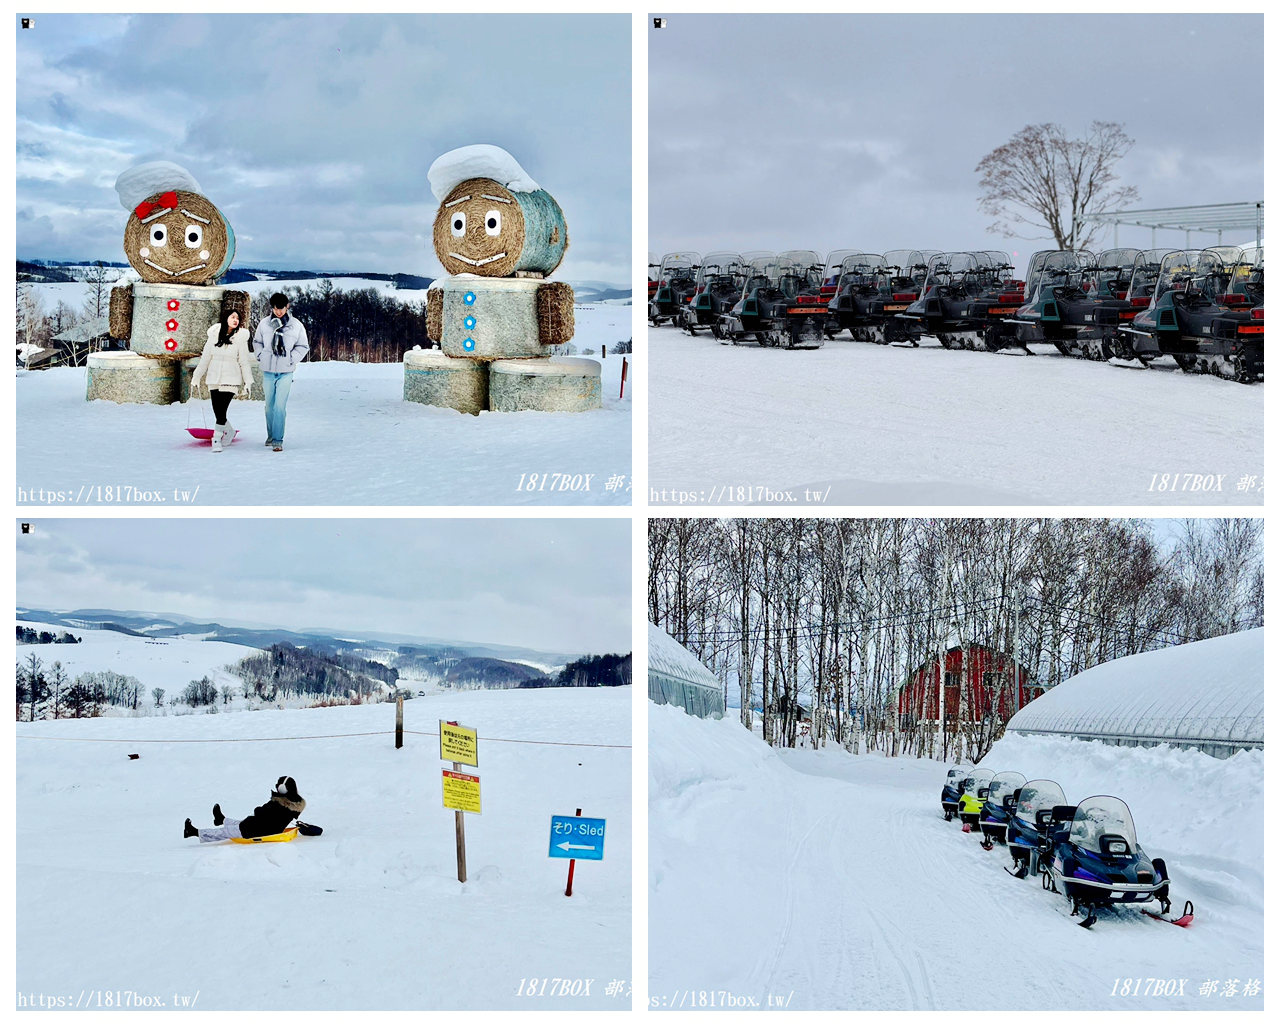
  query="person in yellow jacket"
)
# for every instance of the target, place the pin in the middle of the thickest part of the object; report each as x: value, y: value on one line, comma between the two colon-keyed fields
x: 226, y: 370
x: 973, y: 794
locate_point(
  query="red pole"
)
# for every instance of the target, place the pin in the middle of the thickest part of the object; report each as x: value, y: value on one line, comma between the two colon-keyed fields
x: 568, y: 889
x: 623, y: 385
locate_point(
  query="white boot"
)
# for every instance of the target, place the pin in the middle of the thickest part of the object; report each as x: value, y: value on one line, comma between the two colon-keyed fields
x: 228, y: 433
x: 216, y: 441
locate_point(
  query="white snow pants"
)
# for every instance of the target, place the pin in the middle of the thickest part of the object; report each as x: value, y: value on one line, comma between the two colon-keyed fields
x: 229, y: 829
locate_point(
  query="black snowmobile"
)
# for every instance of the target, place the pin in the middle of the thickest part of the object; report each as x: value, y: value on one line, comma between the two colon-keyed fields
x: 869, y: 296
x: 1096, y: 862
x: 832, y: 267
x: 1190, y: 319
x: 1002, y: 799
x: 1029, y: 835
x: 780, y: 305
x: 967, y: 298
x: 951, y: 790
x: 677, y: 278
x: 718, y: 285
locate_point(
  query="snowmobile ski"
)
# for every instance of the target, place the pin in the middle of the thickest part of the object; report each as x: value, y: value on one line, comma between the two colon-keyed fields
x: 1188, y: 915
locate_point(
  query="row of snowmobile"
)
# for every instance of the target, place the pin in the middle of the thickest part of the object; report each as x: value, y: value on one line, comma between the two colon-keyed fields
x: 1203, y: 308
x: 1087, y: 852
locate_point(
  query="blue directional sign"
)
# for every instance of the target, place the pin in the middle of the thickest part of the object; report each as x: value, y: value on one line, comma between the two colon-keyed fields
x: 577, y: 838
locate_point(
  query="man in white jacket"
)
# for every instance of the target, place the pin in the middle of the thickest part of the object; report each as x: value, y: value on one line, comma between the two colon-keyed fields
x: 280, y: 344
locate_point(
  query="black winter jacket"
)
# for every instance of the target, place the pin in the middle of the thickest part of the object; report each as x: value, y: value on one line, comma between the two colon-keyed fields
x: 272, y: 817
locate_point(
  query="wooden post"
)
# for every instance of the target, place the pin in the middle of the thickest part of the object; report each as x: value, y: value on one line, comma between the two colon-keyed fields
x: 462, y: 837
x: 568, y: 889
x: 399, y: 721
x: 622, y: 386
x: 603, y: 352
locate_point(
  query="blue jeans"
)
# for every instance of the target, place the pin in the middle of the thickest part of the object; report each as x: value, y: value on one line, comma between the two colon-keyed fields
x: 275, y: 388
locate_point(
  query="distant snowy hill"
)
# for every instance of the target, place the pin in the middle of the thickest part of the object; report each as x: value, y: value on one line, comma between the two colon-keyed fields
x: 368, y: 916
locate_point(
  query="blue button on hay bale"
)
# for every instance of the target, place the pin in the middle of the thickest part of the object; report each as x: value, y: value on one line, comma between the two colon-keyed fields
x: 127, y: 377
x: 199, y: 308
x: 432, y: 378
x: 558, y: 384
x: 469, y: 298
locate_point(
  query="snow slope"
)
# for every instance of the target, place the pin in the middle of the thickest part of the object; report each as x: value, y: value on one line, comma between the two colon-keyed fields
x: 882, y: 425
x: 832, y: 880
x: 351, y: 440
x: 168, y: 662
x: 369, y: 915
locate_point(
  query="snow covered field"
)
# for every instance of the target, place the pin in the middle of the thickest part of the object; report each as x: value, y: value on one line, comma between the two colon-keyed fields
x: 881, y: 425
x: 351, y: 439
x: 369, y: 915
x: 832, y: 880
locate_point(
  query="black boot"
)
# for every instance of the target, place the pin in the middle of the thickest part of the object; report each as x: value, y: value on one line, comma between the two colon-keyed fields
x: 189, y: 830
x: 218, y: 818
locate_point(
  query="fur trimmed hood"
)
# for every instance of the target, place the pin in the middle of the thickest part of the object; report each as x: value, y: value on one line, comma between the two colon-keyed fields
x: 295, y: 804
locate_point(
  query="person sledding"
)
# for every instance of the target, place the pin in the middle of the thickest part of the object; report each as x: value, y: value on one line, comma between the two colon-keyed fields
x: 272, y: 818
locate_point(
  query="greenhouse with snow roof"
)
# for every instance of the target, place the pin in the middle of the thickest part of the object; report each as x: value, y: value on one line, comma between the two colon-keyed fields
x: 1203, y: 696
x: 677, y: 677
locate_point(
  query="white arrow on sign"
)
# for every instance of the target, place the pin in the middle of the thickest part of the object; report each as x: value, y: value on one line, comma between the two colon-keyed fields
x: 572, y: 846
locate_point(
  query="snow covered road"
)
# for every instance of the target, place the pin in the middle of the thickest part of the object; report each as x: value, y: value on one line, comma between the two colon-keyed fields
x: 883, y: 425
x: 833, y: 882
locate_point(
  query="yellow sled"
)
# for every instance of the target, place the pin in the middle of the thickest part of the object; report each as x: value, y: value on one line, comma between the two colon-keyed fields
x: 279, y: 837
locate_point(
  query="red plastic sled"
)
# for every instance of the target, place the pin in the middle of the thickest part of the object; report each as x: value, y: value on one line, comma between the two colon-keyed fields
x: 206, y: 433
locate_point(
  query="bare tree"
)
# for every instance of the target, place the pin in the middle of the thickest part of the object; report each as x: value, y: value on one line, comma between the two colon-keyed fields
x: 98, y: 295
x: 1046, y: 180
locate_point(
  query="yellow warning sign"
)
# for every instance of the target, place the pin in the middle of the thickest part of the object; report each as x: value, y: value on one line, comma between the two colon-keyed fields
x: 458, y: 744
x: 461, y: 792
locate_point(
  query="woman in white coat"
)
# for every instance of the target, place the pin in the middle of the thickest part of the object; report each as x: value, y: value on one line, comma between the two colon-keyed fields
x: 226, y: 370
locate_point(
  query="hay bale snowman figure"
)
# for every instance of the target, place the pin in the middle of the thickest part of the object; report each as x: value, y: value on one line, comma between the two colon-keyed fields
x: 179, y: 243
x: 498, y: 235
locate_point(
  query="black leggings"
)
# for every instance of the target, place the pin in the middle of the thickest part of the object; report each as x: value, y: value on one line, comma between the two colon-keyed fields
x: 221, y: 403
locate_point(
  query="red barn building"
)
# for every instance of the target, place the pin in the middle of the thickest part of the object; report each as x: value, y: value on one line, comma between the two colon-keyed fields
x: 991, y: 684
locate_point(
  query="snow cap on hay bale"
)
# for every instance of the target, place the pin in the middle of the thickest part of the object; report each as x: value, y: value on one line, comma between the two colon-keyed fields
x: 493, y: 218
x: 174, y: 234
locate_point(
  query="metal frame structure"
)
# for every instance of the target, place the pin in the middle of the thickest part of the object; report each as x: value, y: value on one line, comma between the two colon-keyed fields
x: 1217, y: 217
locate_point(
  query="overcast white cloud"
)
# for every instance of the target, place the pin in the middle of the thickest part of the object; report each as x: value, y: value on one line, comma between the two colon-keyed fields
x: 313, y: 133
x: 823, y: 132
x: 550, y: 584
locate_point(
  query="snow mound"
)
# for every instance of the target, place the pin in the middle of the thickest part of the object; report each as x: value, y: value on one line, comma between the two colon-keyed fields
x: 480, y: 161
x: 141, y: 181
x: 1206, y: 694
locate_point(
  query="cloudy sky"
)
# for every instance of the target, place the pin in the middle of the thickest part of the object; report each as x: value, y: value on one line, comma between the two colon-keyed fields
x: 825, y: 132
x: 550, y: 584
x: 313, y: 133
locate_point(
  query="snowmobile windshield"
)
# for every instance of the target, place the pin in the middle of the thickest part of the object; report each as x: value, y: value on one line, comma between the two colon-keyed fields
x: 718, y: 264
x: 834, y: 261
x: 976, y: 780
x: 862, y: 270
x: 1185, y: 271
x: 1039, y: 795
x: 1104, y: 825
x: 1246, y: 275
x: 1146, y: 272
x: 678, y: 264
x: 957, y: 773
x: 1111, y: 273
x: 1004, y: 785
x: 950, y: 267
x: 1054, y: 270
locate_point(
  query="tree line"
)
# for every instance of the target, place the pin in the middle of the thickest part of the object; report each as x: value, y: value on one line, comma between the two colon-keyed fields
x: 817, y: 622
x: 283, y: 670
x: 51, y: 693
x: 27, y: 635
